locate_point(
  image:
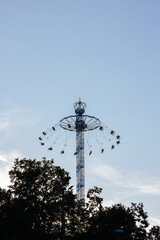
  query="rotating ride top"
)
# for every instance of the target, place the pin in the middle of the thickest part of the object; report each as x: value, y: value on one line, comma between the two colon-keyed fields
x: 80, y: 123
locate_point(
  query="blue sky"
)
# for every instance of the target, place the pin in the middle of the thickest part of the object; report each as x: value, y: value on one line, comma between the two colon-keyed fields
x: 107, y: 53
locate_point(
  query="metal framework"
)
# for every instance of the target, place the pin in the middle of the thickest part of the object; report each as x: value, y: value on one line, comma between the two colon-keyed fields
x: 80, y: 123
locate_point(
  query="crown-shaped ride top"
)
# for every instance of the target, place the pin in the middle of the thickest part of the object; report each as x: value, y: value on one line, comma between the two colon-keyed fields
x: 79, y: 107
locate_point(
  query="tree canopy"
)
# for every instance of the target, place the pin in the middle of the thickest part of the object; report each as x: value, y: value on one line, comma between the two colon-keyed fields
x: 31, y: 208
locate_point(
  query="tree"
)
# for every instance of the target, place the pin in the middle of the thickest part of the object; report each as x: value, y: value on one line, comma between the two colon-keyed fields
x: 103, y: 221
x: 140, y: 217
x: 108, y: 219
x: 34, y: 200
x: 32, y: 209
x: 154, y: 233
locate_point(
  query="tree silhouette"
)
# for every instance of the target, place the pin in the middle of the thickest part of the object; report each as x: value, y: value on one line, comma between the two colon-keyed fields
x: 34, y: 199
x: 31, y: 208
x: 154, y: 233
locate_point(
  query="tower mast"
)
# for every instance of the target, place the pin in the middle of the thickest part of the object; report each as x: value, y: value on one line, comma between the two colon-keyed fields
x: 80, y: 167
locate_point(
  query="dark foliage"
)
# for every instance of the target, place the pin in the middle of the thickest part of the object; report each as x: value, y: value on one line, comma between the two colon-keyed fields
x: 154, y: 233
x: 31, y: 208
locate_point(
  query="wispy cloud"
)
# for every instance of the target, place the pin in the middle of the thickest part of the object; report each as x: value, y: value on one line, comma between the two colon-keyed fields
x: 154, y: 221
x: 18, y: 117
x: 4, y: 121
x: 133, y: 181
x: 6, y: 163
x: 109, y: 203
x: 153, y: 188
x: 107, y: 172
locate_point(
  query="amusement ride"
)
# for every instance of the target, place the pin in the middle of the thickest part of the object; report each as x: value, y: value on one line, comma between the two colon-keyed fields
x: 80, y: 123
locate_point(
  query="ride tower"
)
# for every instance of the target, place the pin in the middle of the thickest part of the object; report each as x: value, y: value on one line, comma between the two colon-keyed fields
x: 80, y: 126
x: 80, y: 123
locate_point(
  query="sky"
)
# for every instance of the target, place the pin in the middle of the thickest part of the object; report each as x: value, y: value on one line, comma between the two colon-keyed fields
x: 106, y: 52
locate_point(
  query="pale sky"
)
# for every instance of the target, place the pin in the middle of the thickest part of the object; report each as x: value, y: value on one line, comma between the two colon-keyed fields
x: 106, y: 52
